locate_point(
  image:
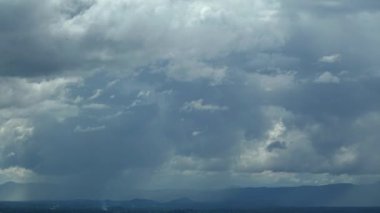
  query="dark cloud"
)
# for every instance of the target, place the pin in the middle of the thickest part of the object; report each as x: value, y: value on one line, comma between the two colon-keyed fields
x: 276, y: 145
x: 28, y: 48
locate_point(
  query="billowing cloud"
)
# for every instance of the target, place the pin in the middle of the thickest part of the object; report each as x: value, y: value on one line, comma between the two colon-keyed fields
x: 63, y: 36
x: 18, y: 175
x: 128, y: 94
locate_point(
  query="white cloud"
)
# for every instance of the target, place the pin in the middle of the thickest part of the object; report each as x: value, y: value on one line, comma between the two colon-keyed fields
x: 96, y: 94
x: 25, y: 103
x: 184, y: 33
x: 18, y: 175
x: 199, y: 105
x: 327, y: 77
x: 89, y: 128
x: 280, y: 147
x: 275, y: 82
x: 330, y: 58
x: 192, y: 70
x: 22, y: 92
x: 143, y: 93
x: 15, y: 130
x: 196, y: 133
x: 23, y: 100
x: 112, y: 83
x: 345, y: 156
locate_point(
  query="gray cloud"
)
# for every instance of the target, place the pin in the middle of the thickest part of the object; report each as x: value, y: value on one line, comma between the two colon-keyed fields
x: 276, y: 145
x: 146, y: 95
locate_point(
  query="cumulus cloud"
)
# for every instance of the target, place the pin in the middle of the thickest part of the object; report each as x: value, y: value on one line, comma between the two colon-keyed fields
x: 18, y: 175
x: 15, y: 130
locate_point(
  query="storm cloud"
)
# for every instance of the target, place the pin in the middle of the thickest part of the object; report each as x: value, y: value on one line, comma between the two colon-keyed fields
x: 129, y: 95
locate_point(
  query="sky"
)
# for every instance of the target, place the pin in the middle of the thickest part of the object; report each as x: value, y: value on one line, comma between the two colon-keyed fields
x: 178, y: 94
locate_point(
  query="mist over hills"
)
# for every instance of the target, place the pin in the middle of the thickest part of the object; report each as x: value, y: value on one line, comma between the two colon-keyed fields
x: 335, y: 195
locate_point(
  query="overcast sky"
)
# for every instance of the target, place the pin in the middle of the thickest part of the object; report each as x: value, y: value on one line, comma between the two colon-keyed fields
x: 189, y: 94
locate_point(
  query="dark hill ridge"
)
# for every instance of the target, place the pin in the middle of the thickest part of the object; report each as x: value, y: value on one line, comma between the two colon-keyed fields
x: 329, y: 195
x: 302, y: 196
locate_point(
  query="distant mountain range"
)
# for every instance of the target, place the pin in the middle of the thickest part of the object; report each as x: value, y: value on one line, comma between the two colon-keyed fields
x: 336, y: 195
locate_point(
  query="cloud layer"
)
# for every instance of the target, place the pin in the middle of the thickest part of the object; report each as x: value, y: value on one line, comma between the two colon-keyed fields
x: 174, y: 94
